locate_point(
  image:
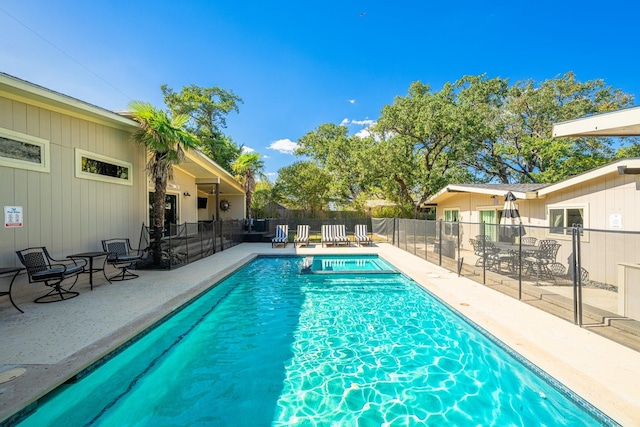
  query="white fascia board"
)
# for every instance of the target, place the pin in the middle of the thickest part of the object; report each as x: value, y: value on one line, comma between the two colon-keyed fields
x: 592, y: 174
x: 616, y: 123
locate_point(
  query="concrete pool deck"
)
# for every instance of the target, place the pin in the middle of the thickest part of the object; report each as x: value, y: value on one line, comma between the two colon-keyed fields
x: 55, y: 341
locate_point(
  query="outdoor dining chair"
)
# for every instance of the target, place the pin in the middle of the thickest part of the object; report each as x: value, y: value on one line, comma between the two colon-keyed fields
x: 282, y: 236
x: 540, y: 260
x: 123, y: 257
x: 41, y: 267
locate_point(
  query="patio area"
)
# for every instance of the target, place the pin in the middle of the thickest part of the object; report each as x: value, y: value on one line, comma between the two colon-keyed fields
x: 55, y: 341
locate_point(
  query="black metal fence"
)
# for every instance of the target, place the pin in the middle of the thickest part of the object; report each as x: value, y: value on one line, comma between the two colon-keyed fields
x: 587, y: 276
x: 191, y: 241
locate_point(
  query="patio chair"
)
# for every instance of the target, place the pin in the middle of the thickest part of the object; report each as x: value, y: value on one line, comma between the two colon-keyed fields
x: 479, y: 251
x: 326, y: 233
x: 282, y: 236
x: 302, y: 236
x: 531, y: 241
x: 540, y: 260
x: 361, y: 235
x: 123, y: 257
x: 340, y: 235
x: 41, y: 267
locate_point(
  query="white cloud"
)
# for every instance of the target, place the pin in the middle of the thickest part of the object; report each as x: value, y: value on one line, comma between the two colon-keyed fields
x: 352, y: 101
x: 265, y: 157
x: 366, y: 123
x: 363, y: 133
x: 246, y: 149
x: 271, y: 174
x: 285, y: 146
x: 344, y: 122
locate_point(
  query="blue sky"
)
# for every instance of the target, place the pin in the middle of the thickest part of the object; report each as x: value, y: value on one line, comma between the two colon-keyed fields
x: 298, y: 64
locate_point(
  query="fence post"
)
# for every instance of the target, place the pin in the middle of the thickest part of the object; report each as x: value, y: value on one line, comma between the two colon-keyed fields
x: 484, y: 253
x: 577, y: 279
x: 440, y: 243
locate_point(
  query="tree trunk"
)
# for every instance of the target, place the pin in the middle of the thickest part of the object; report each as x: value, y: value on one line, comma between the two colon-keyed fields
x: 158, y: 220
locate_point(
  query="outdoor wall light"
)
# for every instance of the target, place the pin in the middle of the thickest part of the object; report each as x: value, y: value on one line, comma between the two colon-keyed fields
x: 186, y: 194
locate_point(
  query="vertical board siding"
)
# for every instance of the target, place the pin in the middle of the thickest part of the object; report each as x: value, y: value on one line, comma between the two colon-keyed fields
x: 65, y: 213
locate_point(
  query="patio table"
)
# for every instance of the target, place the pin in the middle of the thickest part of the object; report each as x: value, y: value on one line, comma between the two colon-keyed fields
x: 90, y: 256
x: 10, y: 270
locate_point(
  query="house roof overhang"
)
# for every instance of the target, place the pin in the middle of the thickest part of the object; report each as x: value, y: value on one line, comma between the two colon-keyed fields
x: 616, y: 123
x: 498, y: 190
x: 32, y: 94
x: 622, y: 167
x: 208, y: 173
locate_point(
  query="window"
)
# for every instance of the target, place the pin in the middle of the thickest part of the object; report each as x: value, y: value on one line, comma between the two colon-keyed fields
x: 451, y: 215
x: 562, y: 218
x: 102, y: 168
x: 22, y: 151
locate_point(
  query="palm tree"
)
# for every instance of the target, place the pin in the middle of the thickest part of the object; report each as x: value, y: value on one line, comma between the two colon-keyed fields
x: 165, y: 140
x: 246, y: 166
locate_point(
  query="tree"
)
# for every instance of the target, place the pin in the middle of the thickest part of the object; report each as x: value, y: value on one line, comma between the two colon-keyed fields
x: 303, y: 185
x: 263, y: 199
x: 418, y: 143
x: 246, y: 166
x: 207, y: 109
x: 341, y: 155
x: 521, y: 148
x: 165, y: 139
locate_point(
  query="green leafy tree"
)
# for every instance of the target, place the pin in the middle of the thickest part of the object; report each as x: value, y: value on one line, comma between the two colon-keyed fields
x: 341, y: 155
x: 207, y: 108
x: 246, y: 167
x: 303, y: 185
x: 418, y: 144
x: 165, y: 138
x: 263, y: 199
x: 522, y: 148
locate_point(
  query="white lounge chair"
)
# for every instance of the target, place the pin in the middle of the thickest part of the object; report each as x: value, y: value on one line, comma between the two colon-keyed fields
x: 361, y: 235
x: 282, y: 236
x: 302, y: 236
x: 327, y: 235
x: 340, y: 235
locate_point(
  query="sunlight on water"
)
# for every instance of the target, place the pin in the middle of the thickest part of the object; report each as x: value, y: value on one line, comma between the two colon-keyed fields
x: 271, y: 346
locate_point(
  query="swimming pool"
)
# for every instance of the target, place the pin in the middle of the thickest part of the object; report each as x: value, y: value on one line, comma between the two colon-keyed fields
x: 272, y: 346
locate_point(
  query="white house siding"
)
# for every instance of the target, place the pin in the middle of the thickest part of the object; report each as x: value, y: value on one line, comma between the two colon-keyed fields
x: 64, y: 213
x: 602, y: 196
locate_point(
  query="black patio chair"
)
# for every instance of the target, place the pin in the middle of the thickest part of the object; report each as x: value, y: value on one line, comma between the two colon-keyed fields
x: 123, y: 257
x: 41, y: 267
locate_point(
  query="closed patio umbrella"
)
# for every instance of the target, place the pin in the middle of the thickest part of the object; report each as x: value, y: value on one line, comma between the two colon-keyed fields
x: 510, y: 223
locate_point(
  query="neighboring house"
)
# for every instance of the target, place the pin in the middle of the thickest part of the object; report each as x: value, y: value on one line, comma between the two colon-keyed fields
x: 606, y: 198
x: 74, y: 176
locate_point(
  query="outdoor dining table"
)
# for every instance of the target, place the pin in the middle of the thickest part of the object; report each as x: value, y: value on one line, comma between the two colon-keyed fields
x: 16, y: 271
x: 512, y: 249
x: 90, y: 256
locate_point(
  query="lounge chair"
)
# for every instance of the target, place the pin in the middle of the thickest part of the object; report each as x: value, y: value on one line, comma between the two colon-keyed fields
x: 123, y: 257
x: 361, y: 235
x: 327, y: 235
x: 52, y: 272
x: 340, y: 235
x: 282, y: 236
x: 302, y: 236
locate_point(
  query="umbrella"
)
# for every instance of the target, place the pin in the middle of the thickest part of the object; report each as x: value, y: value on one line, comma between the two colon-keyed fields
x: 510, y: 223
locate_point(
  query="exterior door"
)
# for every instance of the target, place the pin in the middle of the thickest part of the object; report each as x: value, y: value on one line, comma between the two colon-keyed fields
x: 170, y: 211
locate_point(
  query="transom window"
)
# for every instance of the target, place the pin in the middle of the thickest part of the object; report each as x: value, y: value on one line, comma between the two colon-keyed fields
x: 22, y: 151
x: 102, y: 168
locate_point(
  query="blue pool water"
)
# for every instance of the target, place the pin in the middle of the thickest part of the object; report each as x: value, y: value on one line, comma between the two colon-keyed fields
x: 273, y: 346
